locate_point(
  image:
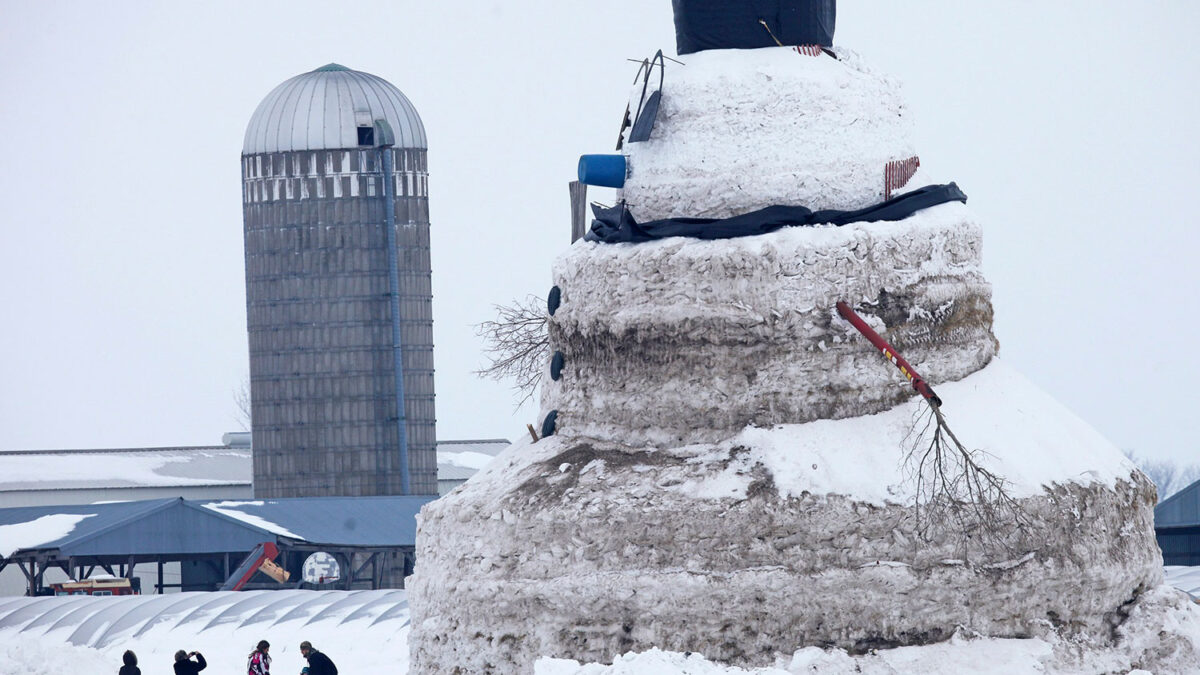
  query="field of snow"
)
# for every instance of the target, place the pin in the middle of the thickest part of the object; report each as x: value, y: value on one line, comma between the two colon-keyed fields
x: 366, y: 632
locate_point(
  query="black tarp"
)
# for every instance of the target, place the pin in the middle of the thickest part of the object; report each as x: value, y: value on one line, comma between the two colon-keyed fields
x: 616, y: 224
x: 737, y: 24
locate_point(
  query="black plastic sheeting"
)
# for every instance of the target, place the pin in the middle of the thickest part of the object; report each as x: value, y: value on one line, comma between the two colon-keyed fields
x: 616, y: 224
x: 738, y: 24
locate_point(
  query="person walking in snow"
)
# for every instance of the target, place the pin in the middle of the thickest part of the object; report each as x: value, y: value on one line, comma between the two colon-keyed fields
x: 318, y: 663
x: 184, y: 665
x: 260, y: 660
x: 130, y: 661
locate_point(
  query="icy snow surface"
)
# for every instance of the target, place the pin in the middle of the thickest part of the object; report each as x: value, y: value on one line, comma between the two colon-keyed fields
x: 36, y: 532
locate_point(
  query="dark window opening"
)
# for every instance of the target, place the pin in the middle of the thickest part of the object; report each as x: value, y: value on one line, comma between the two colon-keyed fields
x: 366, y: 135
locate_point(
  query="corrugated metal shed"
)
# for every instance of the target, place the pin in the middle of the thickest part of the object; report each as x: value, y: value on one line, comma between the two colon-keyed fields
x: 1177, y: 526
x: 340, y: 521
x: 182, y: 527
x: 1181, y: 508
x: 323, y: 109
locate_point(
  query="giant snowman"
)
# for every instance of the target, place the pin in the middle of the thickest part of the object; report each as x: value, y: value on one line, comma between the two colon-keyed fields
x: 726, y: 466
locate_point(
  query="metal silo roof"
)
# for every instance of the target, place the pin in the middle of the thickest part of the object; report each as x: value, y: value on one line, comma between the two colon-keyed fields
x: 322, y: 109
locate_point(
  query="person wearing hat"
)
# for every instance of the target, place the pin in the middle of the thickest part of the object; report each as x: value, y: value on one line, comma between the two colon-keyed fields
x: 318, y: 663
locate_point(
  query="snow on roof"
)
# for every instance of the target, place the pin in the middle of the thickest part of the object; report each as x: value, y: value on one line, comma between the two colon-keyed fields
x: 34, y: 533
x: 186, y: 466
x: 156, y: 525
x: 468, y: 459
x: 489, y: 446
x: 346, y: 521
x: 231, y: 509
x: 67, y: 525
x: 133, y: 467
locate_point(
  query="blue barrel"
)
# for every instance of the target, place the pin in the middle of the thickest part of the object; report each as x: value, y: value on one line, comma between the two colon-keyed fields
x: 602, y: 170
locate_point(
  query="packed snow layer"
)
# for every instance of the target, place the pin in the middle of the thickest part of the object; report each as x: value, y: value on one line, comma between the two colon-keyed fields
x: 779, y: 538
x: 1161, y: 636
x: 738, y: 130
x: 682, y: 340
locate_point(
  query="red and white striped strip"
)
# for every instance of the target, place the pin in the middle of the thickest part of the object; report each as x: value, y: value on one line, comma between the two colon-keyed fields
x: 808, y: 50
x: 896, y: 174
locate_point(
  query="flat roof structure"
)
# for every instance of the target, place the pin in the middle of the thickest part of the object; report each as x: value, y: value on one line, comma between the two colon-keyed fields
x: 55, y: 477
x: 1177, y: 526
x: 372, y: 538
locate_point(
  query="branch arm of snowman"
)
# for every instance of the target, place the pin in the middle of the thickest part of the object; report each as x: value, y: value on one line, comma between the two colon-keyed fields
x: 953, y: 487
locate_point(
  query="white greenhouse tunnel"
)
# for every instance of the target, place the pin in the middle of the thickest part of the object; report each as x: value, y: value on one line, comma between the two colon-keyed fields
x: 223, y: 626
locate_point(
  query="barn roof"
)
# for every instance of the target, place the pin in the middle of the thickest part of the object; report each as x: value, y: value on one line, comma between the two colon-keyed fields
x: 189, y: 527
x: 131, y: 467
x: 189, y: 466
x: 1181, y: 509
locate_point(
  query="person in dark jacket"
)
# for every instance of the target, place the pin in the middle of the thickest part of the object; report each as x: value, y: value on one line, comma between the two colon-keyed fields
x: 184, y: 665
x: 318, y: 663
x: 130, y: 667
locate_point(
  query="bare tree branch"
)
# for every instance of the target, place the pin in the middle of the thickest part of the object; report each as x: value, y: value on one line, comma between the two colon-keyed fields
x: 954, y: 488
x: 517, y: 345
x: 241, y: 399
x: 1167, y: 475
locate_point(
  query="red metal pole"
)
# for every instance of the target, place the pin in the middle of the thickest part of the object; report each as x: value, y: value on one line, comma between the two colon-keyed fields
x: 890, y: 354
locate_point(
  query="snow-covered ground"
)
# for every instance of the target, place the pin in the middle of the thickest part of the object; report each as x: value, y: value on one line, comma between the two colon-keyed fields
x: 366, y: 632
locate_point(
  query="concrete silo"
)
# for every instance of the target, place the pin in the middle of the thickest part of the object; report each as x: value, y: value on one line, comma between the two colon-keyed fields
x: 336, y: 216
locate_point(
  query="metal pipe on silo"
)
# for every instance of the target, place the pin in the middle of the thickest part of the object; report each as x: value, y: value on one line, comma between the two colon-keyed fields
x: 384, y: 133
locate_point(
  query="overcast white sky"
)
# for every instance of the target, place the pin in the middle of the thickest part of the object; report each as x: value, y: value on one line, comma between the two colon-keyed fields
x: 1071, y: 126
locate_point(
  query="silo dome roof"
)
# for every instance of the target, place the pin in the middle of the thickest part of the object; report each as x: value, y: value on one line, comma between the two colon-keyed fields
x: 323, y: 109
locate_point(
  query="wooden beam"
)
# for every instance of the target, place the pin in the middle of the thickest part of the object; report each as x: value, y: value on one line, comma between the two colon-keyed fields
x: 578, y: 209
